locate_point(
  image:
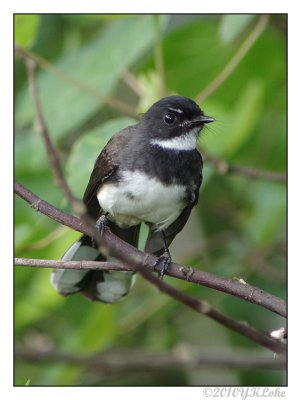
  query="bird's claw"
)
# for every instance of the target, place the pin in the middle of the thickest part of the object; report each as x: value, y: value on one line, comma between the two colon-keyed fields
x: 164, y: 260
x: 100, y: 226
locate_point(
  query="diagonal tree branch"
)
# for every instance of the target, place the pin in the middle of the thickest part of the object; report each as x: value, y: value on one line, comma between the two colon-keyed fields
x: 205, y: 308
x: 117, y: 247
x: 143, y: 263
x: 235, y: 60
x: 247, y: 291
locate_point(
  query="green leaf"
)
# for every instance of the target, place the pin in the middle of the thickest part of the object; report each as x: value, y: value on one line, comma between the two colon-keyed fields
x: 25, y: 29
x: 85, y: 151
x: 232, y: 26
x: 98, y: 65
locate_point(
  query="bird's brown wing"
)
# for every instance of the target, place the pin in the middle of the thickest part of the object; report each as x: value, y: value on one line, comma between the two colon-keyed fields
x: 105, y: 169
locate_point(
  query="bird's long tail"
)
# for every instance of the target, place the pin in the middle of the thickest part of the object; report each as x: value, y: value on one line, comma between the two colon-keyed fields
x: 104, y: 286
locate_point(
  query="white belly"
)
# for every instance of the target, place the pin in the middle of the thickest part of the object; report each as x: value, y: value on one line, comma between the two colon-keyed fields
x: 140, y: 198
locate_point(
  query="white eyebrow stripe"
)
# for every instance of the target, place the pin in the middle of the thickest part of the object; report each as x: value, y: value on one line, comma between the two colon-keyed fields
x: 176, y: 110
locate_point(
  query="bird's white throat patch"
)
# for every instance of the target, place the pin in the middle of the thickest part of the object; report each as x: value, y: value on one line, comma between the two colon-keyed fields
x: 180, y: 143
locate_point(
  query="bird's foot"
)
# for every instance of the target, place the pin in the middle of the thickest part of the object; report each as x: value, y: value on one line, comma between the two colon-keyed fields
x: 164, y: 260
x: 100, y: 226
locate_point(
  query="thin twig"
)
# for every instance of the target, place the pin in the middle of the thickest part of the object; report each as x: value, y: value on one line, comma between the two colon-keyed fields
x: 46, y: 65
x: 199, y: 306
x: 132, y: 82
x: 223, y: 168
x: 205, y: 308
x: 120, y: 249
x: 44, y: 241
x: 257, y: 174
x: 235, y: 60
x: 82, y: 264
x: 131, y: 361
x: 52, y: 154
x: 55, y: 164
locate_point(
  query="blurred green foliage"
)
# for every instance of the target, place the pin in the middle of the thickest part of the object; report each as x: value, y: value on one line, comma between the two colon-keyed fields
x: 238, y: 228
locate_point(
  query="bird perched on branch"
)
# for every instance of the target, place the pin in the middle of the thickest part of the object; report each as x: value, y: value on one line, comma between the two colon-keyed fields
x: 150, y: 172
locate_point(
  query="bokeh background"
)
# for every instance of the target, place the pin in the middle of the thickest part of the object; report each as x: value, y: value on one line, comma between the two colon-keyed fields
x: 238, y: 229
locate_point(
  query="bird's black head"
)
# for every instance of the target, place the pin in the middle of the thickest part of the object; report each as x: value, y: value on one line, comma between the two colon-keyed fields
x: 173, y: 118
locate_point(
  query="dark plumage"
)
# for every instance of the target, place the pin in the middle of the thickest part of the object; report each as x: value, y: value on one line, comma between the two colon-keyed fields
x: 158, y: 153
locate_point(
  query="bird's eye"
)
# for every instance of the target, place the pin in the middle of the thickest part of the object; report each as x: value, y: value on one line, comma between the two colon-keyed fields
x: 169, y: 118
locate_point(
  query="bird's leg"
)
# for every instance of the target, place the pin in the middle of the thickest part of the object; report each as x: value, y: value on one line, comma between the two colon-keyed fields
x: 164, y: 259
x: 100, y: 226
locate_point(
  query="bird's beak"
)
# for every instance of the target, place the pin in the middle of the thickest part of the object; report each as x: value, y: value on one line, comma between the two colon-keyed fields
x: 201, y: 120
x: 206, y: 120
